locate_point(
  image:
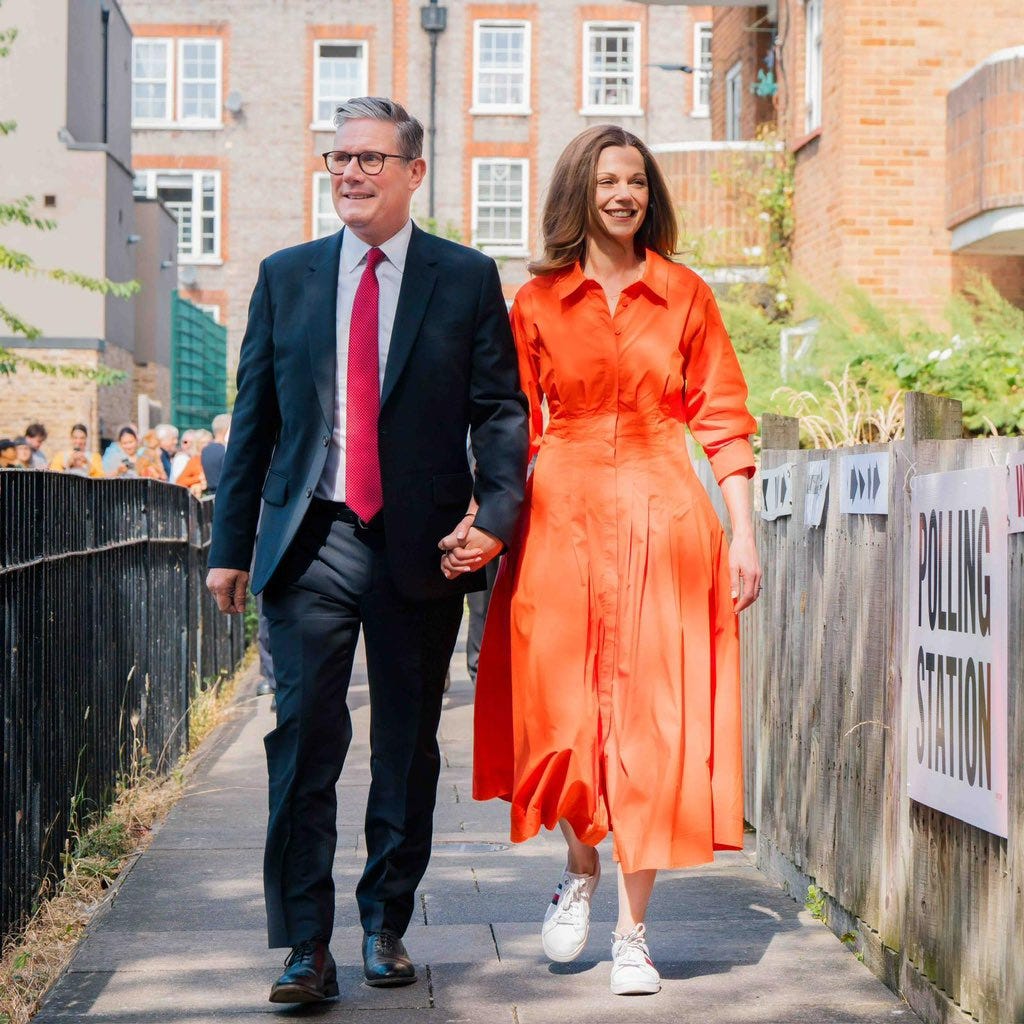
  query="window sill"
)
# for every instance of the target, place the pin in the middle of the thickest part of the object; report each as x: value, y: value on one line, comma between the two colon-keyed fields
x: 506, y: 251
x: 200, y: 261
x: 322, y: 126
x: 805, y: 140
x: 701, y: 112
x: 500, y: 111
x: 176, y: 126
x: 611, y: 111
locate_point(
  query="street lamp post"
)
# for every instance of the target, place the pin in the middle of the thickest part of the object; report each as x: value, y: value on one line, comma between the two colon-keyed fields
x: 433, y: 20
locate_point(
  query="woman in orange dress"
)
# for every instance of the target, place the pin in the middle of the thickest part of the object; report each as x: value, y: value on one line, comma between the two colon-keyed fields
x: 608, y: 694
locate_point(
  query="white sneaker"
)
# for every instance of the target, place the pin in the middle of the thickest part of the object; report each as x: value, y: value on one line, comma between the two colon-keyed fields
x: 567, y: 921
x: 633, y: 974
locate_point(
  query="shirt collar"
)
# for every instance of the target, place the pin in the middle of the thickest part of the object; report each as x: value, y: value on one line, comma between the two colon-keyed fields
x: 354, y: 249
x: 654, y: 278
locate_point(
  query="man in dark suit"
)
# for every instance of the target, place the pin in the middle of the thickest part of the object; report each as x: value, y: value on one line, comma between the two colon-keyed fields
x: 367, y: 357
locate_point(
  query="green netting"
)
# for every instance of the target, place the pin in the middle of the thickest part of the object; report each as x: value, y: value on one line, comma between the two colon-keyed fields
x: 199, y: 365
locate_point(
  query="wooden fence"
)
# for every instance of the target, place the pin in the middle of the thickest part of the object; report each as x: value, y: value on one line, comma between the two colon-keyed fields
x: 934, y: 905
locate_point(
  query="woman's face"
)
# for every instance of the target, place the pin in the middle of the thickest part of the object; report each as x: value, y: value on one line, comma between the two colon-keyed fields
x: 129, y: 444
x: 621, y: 194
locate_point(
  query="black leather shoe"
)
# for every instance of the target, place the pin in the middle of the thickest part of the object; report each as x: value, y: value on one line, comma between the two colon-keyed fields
x: 310, y: 975
x: 385, y: 961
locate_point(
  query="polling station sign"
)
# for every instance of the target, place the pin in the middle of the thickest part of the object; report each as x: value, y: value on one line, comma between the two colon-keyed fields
x: 1015, y: 492
x: 954, y: 684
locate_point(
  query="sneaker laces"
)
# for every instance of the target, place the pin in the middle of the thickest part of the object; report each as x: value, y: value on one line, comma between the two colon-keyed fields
x: 575, y: 896
x: 632, y: 948
x: 302, y: 952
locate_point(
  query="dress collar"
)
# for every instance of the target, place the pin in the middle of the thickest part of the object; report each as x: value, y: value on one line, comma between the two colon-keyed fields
x: 654, y: 278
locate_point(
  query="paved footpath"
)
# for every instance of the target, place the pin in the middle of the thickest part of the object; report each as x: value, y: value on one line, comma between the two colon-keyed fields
x: 182, y: 940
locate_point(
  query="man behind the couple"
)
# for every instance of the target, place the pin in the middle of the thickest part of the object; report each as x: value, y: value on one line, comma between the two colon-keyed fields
x: 609, y: 666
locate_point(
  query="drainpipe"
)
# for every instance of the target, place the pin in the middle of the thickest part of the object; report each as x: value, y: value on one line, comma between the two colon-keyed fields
x: 433, y: 21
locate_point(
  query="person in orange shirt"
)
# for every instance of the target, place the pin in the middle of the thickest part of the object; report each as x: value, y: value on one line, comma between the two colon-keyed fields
x: 78, y: 460
x: 608, y: 695
x: 192, y: 476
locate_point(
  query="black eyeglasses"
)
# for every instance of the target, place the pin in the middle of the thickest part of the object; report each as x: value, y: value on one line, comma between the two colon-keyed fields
x: 336, y: 160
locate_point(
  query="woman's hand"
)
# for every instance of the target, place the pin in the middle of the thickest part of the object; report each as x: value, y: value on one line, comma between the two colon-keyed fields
x: 744, y: 565
x: 466, y: 548
x: 744, y: 571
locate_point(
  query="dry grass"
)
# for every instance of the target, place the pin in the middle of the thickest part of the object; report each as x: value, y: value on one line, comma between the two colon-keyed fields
x: 847, y: 417
x: 30, y: 962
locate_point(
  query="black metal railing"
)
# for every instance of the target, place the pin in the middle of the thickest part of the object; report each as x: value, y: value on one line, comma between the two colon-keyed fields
x: 107, y: 633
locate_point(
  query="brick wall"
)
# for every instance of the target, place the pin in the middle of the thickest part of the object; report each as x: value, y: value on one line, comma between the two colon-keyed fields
x: 985, y: 140
x: 871, y: 186
x: 740, y: 35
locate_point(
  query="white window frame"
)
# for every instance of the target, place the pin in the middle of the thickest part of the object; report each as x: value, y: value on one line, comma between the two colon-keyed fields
x: 156, y: 122
x: 502, y: 247
x: 734, y: 102
x: 701, y: 77
x: 210, y: 308
x: 479, y: 107
x: 319, y: 177
x: 634, y: 109
x: 813, y: 19
x: 198, y: 122
x: 196, y: 256
x: 362, y: 90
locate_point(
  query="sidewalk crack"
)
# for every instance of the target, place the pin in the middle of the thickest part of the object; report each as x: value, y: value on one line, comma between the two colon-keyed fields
x: 423, y: 906
x: 497, y: 953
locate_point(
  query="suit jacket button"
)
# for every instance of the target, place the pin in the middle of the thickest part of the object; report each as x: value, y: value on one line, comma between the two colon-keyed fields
x: 309, y: 492
x: 326, y: 440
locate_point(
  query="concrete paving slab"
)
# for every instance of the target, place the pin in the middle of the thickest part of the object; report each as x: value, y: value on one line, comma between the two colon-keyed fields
x: 183, y: 939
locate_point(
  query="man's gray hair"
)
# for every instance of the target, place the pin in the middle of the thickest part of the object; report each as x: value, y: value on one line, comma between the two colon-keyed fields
x: 221, y: 424
x: 167, y: 430
x: 379, y: 108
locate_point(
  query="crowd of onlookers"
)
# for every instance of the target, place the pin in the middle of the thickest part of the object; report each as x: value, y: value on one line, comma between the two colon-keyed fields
x: 191, y: 459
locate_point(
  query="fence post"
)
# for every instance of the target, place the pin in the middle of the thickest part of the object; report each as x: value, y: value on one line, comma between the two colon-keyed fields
x: 780, y: 432
x: 931, y: 418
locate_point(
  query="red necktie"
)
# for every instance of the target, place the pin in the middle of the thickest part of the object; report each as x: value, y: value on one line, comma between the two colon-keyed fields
x: 362, y: 461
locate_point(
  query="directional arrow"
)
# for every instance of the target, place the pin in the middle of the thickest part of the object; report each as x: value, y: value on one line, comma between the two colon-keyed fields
x: 785, y: 490
x: 853, y: 482
x: 875, y: 482
x: 764, y: 492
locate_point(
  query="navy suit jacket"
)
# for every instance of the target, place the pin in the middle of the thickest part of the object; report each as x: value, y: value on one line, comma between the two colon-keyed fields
x: 451, y: 368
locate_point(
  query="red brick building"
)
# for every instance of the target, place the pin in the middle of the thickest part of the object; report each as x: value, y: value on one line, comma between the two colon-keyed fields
x: 906, y: 122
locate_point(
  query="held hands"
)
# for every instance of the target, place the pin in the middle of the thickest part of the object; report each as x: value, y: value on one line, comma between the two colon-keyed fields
x: 228, y: 587
x: 466, y: 548
x: 744, y: 571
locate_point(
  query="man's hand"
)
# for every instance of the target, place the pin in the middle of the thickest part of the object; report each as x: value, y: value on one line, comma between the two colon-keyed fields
x: 228, y: 587
x: 467, y: 549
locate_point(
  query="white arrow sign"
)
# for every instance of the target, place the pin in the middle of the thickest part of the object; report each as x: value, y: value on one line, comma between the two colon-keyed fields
x: 864, y: 484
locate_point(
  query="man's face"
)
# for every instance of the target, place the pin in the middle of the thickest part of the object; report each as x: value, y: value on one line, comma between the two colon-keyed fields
x: 35, y: 443
x: 374, y: 206
x: 169, y: 443
x: 79, y: 439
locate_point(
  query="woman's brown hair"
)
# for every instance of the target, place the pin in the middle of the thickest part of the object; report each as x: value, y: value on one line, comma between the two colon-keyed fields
x: 570, y: 213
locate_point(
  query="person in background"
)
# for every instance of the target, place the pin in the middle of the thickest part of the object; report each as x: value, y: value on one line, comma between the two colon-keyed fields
x: 35, y: 434
x: 119, y: 458
x: 181, y: 457
x: 78, y: 459
x: 213, y: 453
x: 149, y: 460
x: 167, y: 439
x: 8, y: 454
x: 192, y: 475
x: 23, y: 454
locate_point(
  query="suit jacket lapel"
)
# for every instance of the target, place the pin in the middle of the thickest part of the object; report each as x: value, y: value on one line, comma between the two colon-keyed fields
x: 321, y: 299
x: 417, y: 285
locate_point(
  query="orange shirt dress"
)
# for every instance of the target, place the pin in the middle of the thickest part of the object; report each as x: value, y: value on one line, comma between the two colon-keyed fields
x: 608, y: 685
